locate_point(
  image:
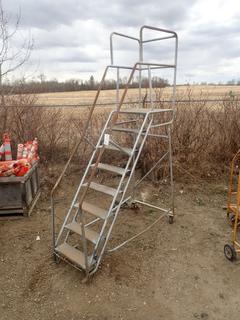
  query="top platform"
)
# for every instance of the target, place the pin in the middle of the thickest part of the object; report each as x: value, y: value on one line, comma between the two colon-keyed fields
x: 143, y: 110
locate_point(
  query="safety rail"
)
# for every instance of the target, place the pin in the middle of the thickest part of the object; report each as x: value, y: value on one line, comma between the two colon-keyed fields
x: 141, y: 41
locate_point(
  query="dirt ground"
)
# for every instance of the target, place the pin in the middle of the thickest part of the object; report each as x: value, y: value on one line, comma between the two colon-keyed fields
x: 172, y: 272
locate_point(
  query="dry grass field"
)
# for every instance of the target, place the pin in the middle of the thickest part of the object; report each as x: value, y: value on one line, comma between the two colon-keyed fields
x: 86, y: 97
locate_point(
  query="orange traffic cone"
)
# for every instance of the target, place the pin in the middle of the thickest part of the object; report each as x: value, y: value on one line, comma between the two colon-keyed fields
x: 25, y: 152
x: 19, y: 151
x: 32, y: 155
x: 7, y: 147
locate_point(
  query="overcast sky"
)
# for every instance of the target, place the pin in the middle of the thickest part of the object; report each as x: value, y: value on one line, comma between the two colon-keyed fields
x: 71, y: 37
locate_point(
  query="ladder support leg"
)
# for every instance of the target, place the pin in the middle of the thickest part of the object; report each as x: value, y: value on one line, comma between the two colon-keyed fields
x: 171, y: 213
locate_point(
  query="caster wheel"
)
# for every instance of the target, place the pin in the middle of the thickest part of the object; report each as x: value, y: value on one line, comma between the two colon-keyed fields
x: 170, y: 219
x: 56, y: 259
x: 134, y: 206
x: 85, y: 280
x: 230, y: 252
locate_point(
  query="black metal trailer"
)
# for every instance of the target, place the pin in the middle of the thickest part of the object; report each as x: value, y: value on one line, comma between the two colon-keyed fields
x: 18, y: 195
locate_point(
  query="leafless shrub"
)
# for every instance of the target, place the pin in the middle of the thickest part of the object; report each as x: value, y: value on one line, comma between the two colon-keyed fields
x: 204, y: 136
x: 24, y: 120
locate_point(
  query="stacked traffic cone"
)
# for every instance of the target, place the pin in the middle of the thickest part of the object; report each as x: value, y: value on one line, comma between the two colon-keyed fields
x: 7, y: 147
x: 27, y: 154
x: 19, y: 151
x: 29, y: 151
x: 33, y: 152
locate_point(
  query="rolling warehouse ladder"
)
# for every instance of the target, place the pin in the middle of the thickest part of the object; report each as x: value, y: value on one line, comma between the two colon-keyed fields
x: 86, y: 229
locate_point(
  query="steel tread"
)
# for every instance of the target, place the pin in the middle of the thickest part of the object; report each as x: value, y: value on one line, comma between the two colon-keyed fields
x: 90, y: 234
x: 126, y: 150
x: 93, y: 209
x: 111, y: 168
x: 74, y: 255
x: 102, y: 188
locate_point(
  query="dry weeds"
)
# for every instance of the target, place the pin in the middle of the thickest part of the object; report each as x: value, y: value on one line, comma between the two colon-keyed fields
x: 205, y: 135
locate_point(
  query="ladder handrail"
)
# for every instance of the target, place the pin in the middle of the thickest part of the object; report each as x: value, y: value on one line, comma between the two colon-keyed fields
x: 135, y: 67
x: 114, y: 117
x: 80, y: 141
x: 73, y: 153
x: 83, y: 133
x: 120, y: 35
x: 140, y: 40
x: 174, y: 34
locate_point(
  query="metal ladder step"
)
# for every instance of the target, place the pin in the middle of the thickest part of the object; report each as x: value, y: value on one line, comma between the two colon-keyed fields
x: 102, y: 188
x: 127, y: 130
x: 111, y: 168
x: 126, y: 150
x: 74, y: 255
x: 95, y: 210
x: 89, y: 233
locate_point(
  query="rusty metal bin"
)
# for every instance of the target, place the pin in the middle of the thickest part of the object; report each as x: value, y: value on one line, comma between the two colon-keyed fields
x: 18, y: 195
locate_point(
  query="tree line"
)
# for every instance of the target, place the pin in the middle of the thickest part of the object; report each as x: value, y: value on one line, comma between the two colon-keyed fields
x: 42, y: 85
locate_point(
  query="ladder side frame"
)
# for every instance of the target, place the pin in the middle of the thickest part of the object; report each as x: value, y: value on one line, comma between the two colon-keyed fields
x: 139, y: 66
x: 118, y: 109
x: 125, y: 188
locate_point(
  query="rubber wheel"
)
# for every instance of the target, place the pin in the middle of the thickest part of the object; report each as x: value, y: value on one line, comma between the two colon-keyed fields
x: 170, y: 219
x: 134, y: 206
x: 56, y: 259
x: 230, y: 252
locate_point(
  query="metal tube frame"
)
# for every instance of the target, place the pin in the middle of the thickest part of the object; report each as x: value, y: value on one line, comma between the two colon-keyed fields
x: 139, y: 66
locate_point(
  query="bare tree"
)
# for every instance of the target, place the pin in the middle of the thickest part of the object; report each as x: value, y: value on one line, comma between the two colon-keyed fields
x: 11, y: 58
